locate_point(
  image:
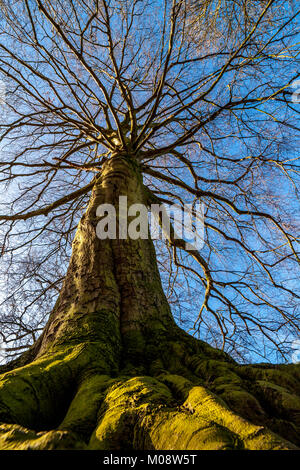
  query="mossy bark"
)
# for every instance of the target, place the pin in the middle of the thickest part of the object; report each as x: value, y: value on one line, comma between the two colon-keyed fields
x: 113, y: 371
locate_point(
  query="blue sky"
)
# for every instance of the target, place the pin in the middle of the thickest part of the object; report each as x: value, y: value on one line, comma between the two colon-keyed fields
x: 237, y: 138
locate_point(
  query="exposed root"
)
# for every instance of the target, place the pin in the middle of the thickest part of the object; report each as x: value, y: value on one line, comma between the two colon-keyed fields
x: 14, y: 437
x: 39, y: 394
x: 192, y: 400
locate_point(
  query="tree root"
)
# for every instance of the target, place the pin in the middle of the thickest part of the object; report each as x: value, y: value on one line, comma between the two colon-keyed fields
x: 193, y: 397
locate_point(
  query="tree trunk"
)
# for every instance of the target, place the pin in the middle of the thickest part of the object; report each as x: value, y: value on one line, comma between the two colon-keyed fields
x: 112, y: 370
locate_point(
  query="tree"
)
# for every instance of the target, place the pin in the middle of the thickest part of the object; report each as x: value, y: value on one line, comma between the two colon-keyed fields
x: 158, y: 101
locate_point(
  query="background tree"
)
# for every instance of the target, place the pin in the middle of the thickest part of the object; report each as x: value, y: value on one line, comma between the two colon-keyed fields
x: 196, y: 97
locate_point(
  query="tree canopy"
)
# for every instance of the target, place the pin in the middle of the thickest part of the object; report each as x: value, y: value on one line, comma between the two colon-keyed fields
x: 200, y: 93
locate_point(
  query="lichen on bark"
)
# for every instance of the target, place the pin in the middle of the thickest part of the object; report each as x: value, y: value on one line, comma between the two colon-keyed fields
x: 112, y: 370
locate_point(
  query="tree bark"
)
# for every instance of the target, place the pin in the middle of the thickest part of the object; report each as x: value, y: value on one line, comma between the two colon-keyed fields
x: 112, y: 370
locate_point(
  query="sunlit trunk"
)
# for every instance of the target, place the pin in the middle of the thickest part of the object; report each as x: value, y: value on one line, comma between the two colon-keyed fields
x: 112, y: 292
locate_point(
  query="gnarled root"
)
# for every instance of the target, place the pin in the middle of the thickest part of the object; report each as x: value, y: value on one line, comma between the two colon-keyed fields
x: 193, y: 397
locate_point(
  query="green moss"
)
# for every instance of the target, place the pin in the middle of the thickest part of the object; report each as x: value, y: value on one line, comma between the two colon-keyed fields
x: 37, y: 395
x: 183, y: 431
x: 30, y: 395
x: 14, y: 437
x: 134, y: 345
x: 224, y: 428
x: 180, y: 386
x: 243, y: 403
x: 124, y: 404
x: 283, y: 406
x: 169, y: 412
x: 82, y: 413
x: 141, y: 413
